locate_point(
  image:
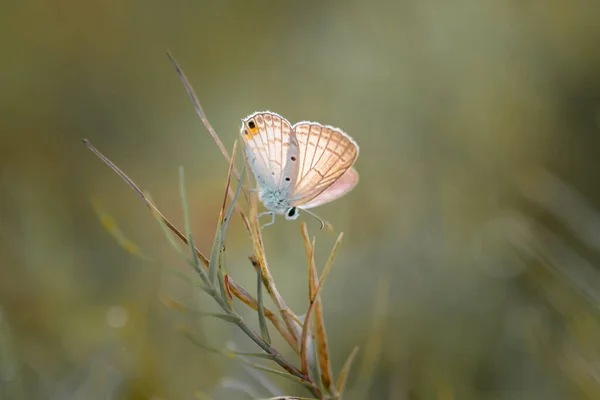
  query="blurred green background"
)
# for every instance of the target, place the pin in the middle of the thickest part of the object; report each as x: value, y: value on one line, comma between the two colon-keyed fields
x: 477, y: 210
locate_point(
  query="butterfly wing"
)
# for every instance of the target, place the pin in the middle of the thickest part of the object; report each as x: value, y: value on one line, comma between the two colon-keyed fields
x: 343, y: 185
x: 270, y: 146
x: 326, y: 153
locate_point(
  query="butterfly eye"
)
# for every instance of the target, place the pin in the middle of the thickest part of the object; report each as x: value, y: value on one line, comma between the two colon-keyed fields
x: 292, y: 213
x: 293, y: 158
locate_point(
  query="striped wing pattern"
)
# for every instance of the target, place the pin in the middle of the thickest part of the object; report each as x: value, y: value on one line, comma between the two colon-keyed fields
x: 326, y: 153
x: 269, y: 143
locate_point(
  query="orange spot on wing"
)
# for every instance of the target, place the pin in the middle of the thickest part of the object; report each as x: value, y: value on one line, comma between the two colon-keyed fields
x: 252, y: 128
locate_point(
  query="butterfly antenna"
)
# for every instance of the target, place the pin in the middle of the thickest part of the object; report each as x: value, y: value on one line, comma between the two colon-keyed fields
x: 321, y: 221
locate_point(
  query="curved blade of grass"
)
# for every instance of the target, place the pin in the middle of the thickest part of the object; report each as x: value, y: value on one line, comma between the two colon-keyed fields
x: 262, y: 321
x: 321, y: 335
x: 225, y: 295
x: 200, y: 344
x: 304, y: 362
x: 188, y: 228
x: 343, y: 378
x: 309, y: 356
x: 329, y: 262
x: 223, y: 288
x: 286, y: 375
x: 229, y: 353
x: 233, y: 201
x: 225, y: 317
x: 217, y: 274
x: 108, y: 220
x: 147, y: 202
x: 168, y: 234
x: 263, y: 380
x: 251, y: 302
x: 109, y: 223
x: 214, y: 264
x: 288, y: 398
x: 315, y: 368
x: 184, y: 203
x: 239, y: 386
x: 260, y: 260
x: 373, y: 347
x: 195, y: 263
x: 229, y: 171
x: 256, y: 355
x: 198, y: 107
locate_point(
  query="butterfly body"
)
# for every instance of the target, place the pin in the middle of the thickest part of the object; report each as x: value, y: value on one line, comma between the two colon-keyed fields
x: 300, y: 166
x: 275, y: 199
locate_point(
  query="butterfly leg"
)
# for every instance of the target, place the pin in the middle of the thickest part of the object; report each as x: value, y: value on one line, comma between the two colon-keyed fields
x: 272, y: 218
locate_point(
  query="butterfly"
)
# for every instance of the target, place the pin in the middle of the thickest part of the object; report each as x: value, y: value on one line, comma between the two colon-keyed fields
x: 300, y: 166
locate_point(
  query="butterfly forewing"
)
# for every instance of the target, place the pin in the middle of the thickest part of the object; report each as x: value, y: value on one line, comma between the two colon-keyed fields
x: 326, y: 153
x: 269, y: 138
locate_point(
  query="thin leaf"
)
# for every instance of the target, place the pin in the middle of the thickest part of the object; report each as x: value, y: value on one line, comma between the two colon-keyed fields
x: 262, y: 321
x: 168, y: 234
x: 341, y: 383
x: 238, y: 386
x: 199, y: 110
x: 308, y: 352
x: 233, y: 201
x: 255, y: 355
x: 195, y: 263
x: 211, y: 131
x: 184, y: 203
x: 229, y: 171
x: 304, y: 362
x: 373, y: 349
x: 113, y: 229
x: 211, y: 349
x: 250, y: 301
x: 214, y: 264
x: 260, y: 260
x: 293, y: 378
x: 329, y: 262
x: 315, y: 301
x: 223, y: 284
x: 264, y: 381
x: 288, y: 398
x: 188, y: 228
x: 189, y: 279
x: 315, y: 368
x: 225, y: 317
x: 223, y: 290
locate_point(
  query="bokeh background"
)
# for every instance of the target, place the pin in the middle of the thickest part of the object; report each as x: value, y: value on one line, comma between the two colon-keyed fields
x: 470, y: 262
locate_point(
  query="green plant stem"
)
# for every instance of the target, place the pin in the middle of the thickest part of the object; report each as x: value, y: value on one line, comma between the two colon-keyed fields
x: 277, y: 357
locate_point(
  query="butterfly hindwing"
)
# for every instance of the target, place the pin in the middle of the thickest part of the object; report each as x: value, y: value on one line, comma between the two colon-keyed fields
x: 343, y: 185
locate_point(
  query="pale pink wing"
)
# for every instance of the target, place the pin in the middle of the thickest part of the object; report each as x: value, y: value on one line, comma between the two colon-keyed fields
x: 339, y: 188
x: 326, y: 153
